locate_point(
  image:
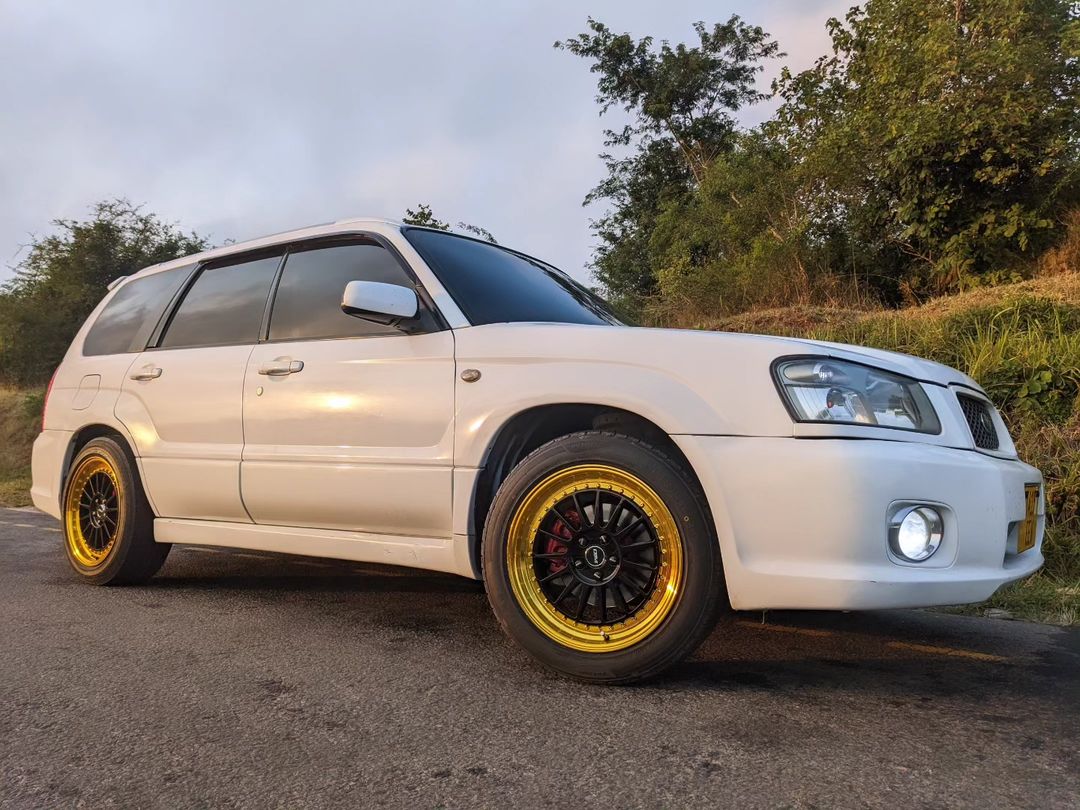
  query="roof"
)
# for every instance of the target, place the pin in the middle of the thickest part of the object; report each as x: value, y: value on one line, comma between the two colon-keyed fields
x: 322, y: 229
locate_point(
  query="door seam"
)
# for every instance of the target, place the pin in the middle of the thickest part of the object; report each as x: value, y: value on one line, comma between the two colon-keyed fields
x: 243, y: 434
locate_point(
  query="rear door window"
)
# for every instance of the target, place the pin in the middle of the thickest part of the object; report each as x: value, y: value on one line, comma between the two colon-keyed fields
x: 126, y: 322
x: 224, y: 306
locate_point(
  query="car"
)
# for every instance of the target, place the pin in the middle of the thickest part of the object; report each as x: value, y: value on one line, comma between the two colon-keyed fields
x: 371, y: 391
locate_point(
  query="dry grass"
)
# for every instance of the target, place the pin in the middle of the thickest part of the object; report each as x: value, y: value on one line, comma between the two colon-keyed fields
x: 1065, y: 258
x: 20, y: 417
x: 803, y: 320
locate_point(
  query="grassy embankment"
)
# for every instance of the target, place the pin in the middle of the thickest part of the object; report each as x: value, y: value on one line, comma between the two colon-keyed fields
x: 20, y: 420
x: 1020, y: 341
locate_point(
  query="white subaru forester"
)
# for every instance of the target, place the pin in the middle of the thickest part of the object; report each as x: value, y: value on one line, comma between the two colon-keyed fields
x: 370, y: 391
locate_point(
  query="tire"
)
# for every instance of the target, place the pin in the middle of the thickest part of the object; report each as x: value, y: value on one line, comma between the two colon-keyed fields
x: 107, y: 522
x: 574, y: 501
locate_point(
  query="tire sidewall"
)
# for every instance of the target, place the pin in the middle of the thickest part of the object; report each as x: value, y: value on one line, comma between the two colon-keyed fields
x: 681, y: 630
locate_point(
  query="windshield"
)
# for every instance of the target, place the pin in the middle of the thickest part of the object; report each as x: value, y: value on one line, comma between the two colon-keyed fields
x: 495, y: 285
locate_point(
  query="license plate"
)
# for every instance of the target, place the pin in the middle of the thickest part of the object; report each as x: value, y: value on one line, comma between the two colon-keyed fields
x: 1026, y: 538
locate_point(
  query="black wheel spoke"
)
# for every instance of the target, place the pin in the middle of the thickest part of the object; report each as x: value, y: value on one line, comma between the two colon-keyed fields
x: 553, y: 575
x: 620, y: 600
x: 616, y: 510
x: 583, y: 600
x: 593, y: 576
x: 573, y: 529
x: 637, y: 587
x: 573, y: 583
x: 580, y: 510
x: 633, y: 524
x: 554, y: 536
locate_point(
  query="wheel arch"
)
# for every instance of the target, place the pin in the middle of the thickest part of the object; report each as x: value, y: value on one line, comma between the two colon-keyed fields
x: 526, y: 430
x: 86, y: 434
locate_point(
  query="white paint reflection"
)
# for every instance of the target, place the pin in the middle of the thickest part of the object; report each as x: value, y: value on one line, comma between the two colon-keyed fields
x: 336, y: 402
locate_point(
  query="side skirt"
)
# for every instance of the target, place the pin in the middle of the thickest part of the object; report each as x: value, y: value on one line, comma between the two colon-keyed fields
x: 429, y: 553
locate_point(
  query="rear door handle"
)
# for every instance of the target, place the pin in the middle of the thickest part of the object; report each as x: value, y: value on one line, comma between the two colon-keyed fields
x: 281, y: 367
x: 146, y: 373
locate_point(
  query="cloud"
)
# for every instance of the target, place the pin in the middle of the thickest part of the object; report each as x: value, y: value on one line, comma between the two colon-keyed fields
x: 246, y: 117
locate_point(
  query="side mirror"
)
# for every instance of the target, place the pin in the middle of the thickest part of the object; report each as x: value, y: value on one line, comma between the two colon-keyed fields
x: 378, y: 302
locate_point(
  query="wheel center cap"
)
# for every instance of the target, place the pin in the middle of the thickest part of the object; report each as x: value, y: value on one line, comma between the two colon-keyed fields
x: 595, y: 556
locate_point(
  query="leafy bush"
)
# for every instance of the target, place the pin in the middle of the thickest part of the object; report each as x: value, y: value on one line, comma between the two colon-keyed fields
x: 65, y: 275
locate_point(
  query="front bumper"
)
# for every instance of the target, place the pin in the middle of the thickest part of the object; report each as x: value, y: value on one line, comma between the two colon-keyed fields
x: 802, y: 523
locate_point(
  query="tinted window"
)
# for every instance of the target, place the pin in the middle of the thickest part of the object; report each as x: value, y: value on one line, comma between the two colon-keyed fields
x: 308, y: 299
x: 494, y: 285
x: 224, y: 305
x: 126, y: 322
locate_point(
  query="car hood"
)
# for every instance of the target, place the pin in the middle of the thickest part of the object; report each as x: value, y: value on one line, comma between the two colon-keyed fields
x: 675, y: 348
x: 916, y: 367
x: 710, y: 343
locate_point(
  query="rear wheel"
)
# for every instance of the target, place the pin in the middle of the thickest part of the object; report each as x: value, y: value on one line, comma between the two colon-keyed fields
x: 600, y: 560
x: 108, y: 523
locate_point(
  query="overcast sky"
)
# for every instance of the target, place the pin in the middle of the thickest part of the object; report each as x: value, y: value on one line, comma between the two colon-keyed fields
x: 237, y: 118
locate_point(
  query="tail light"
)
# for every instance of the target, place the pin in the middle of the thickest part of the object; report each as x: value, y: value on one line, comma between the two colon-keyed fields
x: 45, y: 403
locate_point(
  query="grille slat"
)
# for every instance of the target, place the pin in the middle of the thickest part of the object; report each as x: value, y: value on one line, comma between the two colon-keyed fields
x: 980, y: 422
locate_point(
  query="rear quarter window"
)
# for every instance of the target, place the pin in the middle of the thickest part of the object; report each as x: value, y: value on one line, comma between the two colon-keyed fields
x: 125, y: 324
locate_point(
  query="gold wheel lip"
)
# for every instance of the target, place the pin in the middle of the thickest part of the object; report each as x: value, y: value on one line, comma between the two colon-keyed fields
x: 541, y: 613
x: 78, y: 544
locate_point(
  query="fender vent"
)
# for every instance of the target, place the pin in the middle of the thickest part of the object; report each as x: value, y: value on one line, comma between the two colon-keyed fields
x: 980, y: 422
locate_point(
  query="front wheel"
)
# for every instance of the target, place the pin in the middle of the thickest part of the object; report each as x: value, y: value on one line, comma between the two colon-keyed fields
x: 600, y: 560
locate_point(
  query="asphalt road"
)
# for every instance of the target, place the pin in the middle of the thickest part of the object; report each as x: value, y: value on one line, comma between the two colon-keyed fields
x: 252, y: 680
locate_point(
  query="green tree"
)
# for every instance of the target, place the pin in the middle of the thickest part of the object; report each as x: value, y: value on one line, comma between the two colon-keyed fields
x: 423, y: 215
x: 64, y: 276
x: 944, y: 132
x: 746, y: 237
x: 680, y: 100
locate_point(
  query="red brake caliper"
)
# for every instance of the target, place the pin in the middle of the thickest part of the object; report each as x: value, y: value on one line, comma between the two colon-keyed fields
x: 553, y: 546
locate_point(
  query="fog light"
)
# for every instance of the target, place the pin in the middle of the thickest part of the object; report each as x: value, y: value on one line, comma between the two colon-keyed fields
x: 915, y: 533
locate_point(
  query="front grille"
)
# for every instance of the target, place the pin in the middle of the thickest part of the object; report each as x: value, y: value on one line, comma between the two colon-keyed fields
x: 981, y: 423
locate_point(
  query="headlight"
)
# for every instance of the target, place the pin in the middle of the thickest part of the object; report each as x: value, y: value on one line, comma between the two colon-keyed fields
x: 824, y: 390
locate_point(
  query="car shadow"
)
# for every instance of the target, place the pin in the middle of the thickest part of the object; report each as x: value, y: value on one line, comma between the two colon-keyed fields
x: 908, y: 658
x: 198, y: 568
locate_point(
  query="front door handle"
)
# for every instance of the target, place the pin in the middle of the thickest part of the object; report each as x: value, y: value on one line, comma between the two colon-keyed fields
x: 146, y: 373
x: 281, y: 367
